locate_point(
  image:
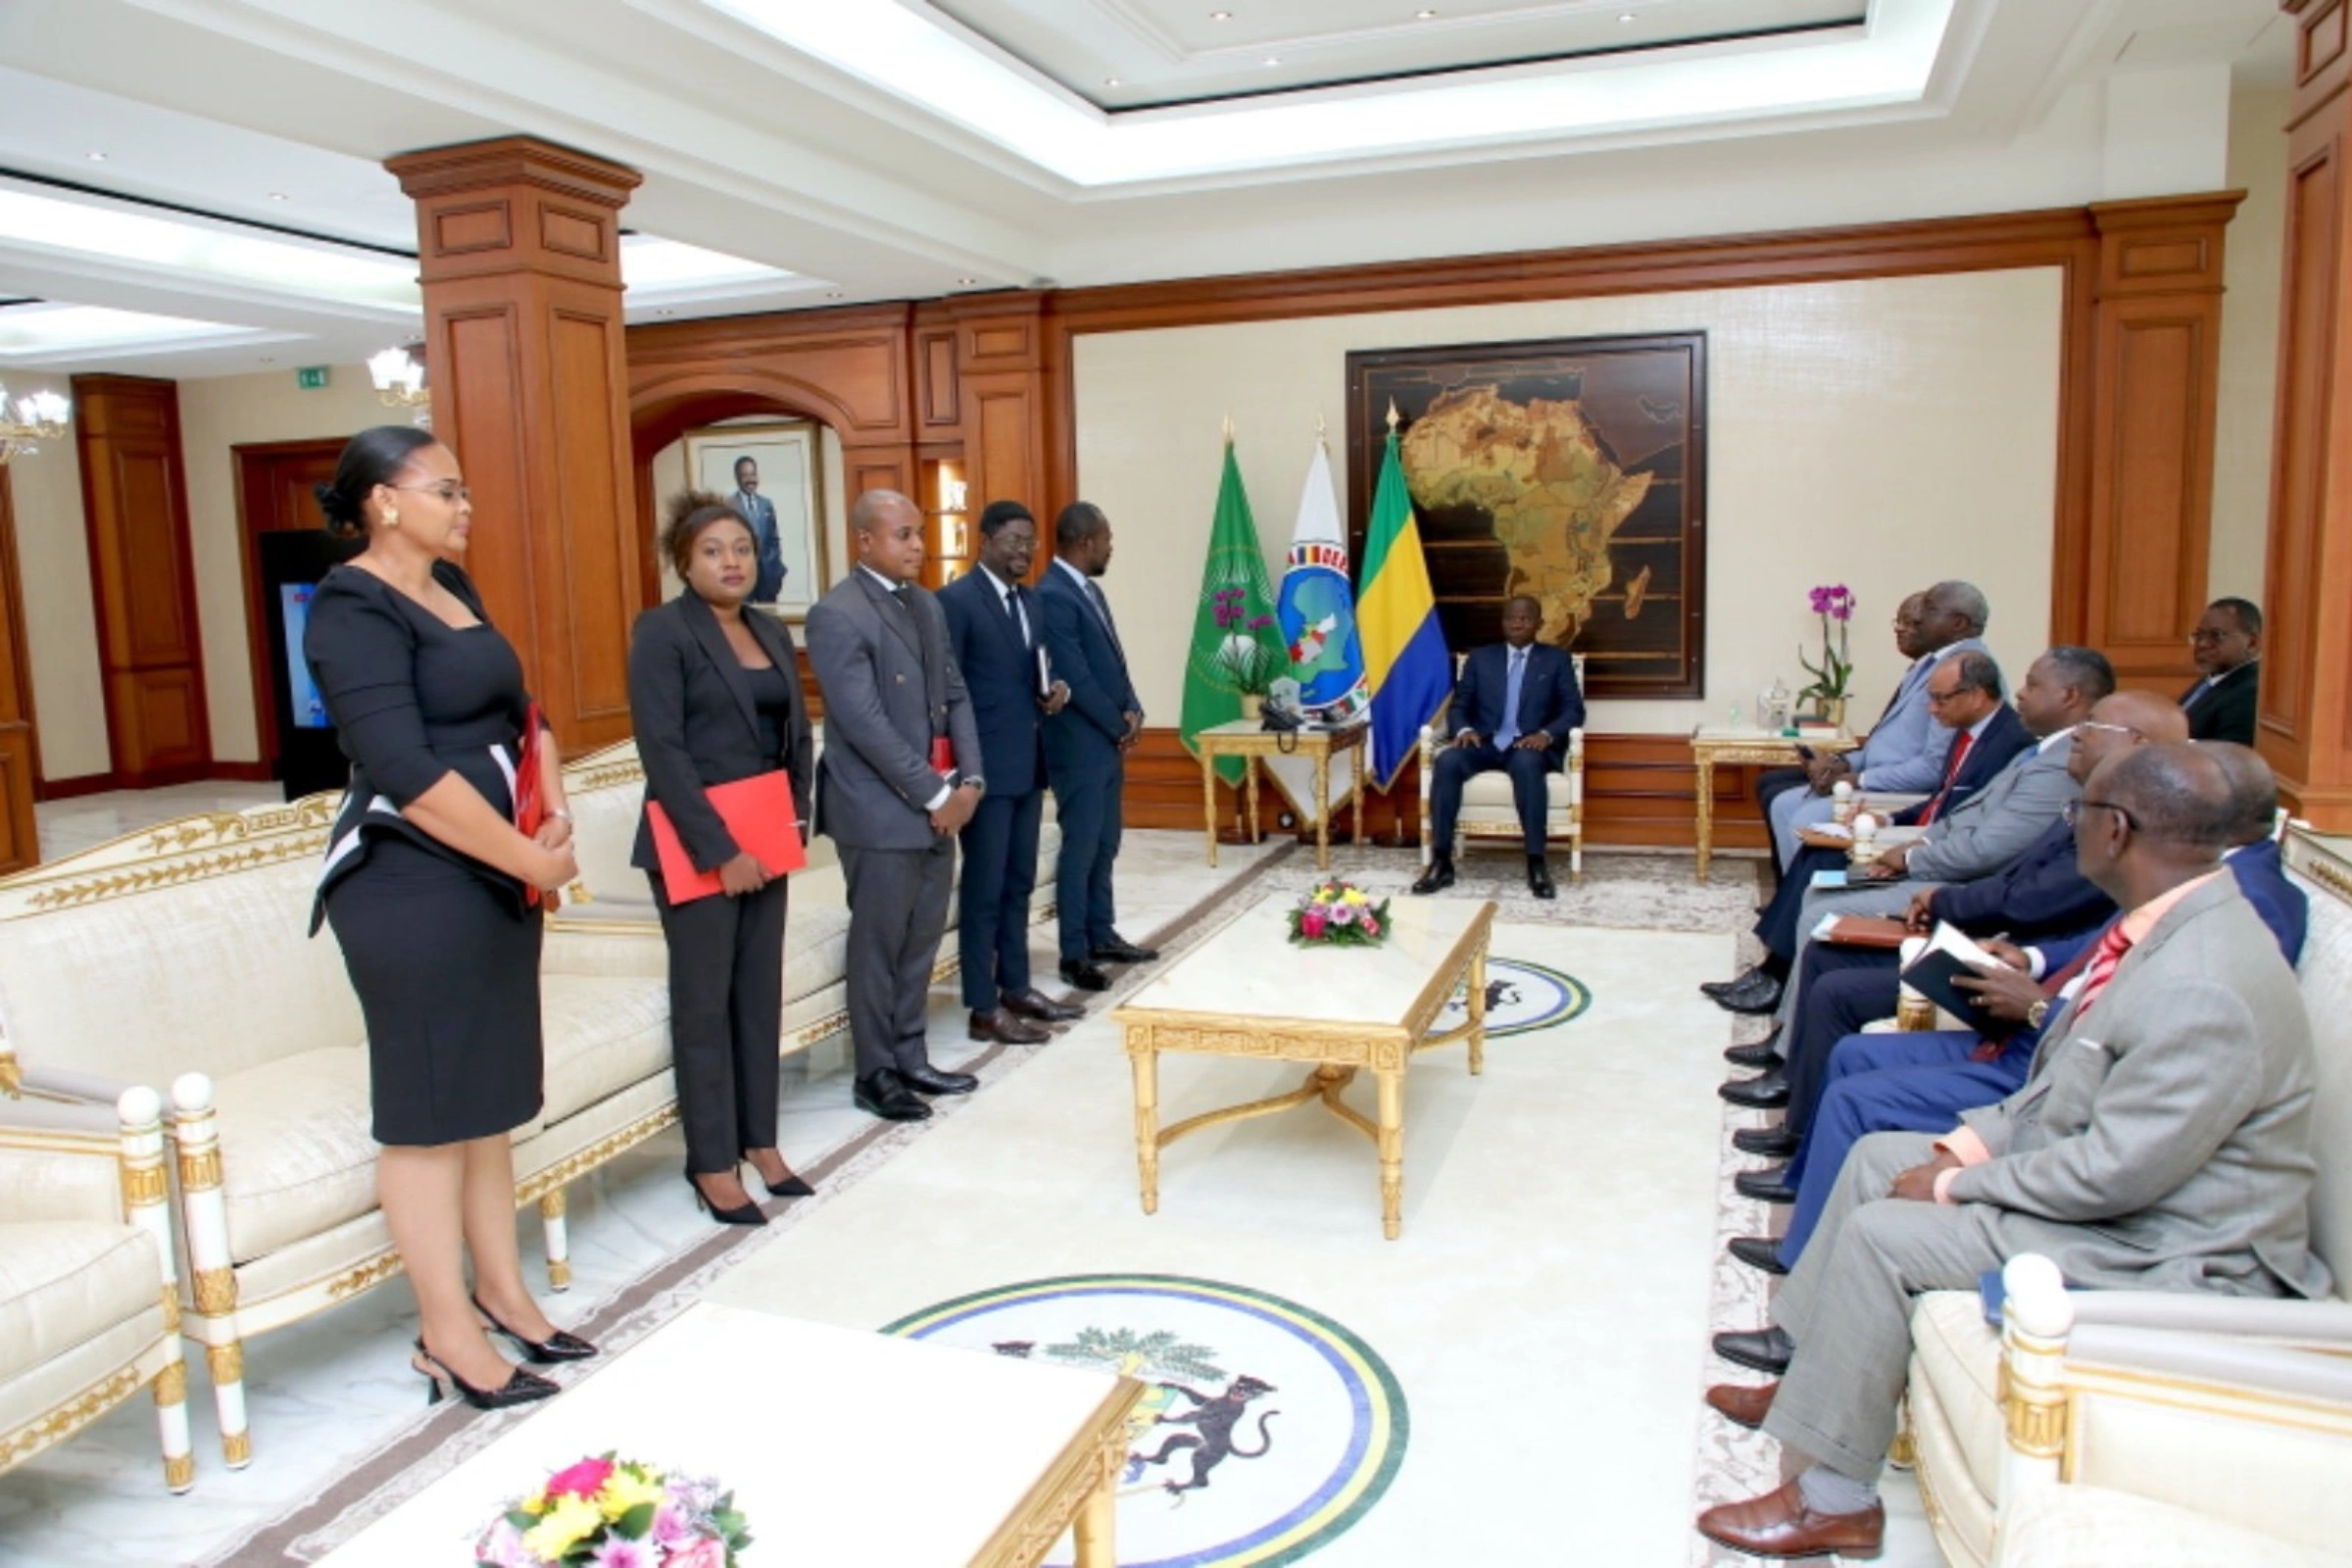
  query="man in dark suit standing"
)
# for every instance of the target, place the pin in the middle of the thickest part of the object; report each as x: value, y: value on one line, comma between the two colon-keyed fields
x: 761, y: 513
x: 1512, y: 709
x: 2227, y: 644
x: 1087, y: 744
x: 996, y: 631
x: 899, y: 777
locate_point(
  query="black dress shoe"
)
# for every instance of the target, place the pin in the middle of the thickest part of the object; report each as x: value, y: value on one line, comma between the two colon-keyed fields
x: 882, y: 1094
x: 1773, y: 1142
x: 1437, y: 878
x: 929, y: 1080
x: 1764, y: 999
x: 1085, y: 974
x: 1767, y: 1186
x: 1005, y: 1028
x: 1118, y: 950
x: 1762, y: 1351
x: 1539, y: 878
x: 1758, y: 1252
x: 1764, y: 1092
x: 1748, y: 980
x: 1035, y: 1004
x: 1764, y: 1054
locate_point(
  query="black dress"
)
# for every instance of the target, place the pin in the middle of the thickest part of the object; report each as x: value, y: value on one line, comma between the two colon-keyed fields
x: 442, y: 949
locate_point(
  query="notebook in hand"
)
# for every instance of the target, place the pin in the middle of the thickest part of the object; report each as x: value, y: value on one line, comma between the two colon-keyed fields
x: 760, y: 817
x: 1949, y: 954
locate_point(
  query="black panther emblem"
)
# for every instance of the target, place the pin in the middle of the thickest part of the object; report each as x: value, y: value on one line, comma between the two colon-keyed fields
x: 1214, y: 1419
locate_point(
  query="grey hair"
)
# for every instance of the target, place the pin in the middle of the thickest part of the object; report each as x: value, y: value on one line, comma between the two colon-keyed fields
x: 1965, y: 600
x: 1979, y: 671
x: 2086, y: 670
x: 2253, y: 790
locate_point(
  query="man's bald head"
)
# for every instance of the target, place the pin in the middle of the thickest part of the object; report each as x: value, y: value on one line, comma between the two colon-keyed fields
x: 2158, y: 720
x: 888, y: 530
x: 2253, y: 791
x: 2179, y: 796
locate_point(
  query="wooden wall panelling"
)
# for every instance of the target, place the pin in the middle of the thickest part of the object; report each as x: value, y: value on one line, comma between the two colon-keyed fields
x: 19, y: 745
x: 520, y: 261
x: 134, y: 496
x: 999, y: 372
x: 2305, y: 723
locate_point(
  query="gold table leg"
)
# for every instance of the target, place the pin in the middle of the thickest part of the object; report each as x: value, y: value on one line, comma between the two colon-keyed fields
x: 1323, y: 809
x: 1096, y: 1516
x: 1249, y: 773
x: 1478, y: 1012
x: 1706, y: 814
x: 1392, y: 1152
x: 1144, y: 1057
x: 1208, y: 796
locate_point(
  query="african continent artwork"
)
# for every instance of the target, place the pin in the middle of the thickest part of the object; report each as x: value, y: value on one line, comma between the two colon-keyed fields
x: 1554, y: 497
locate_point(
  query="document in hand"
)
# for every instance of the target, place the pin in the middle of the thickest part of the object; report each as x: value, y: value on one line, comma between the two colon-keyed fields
x: 1949, y: 954
x: 1866, y: 931
x: 760, y: 816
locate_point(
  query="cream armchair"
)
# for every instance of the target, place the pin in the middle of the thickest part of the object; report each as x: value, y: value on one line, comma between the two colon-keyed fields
x: 1487, y: 810
x: 89, y: 1310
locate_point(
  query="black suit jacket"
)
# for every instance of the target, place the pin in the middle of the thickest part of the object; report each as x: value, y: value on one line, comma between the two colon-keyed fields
x: 2039, y: 893
x: 1549, y: 698
x: 1082, y: 741
x: 999, y: 671
x: 691, y: 705
x: 2225, y: 712
x: 2005, y: 736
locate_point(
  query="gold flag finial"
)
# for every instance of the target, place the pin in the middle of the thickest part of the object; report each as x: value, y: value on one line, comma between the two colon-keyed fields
x: 1391, y: 413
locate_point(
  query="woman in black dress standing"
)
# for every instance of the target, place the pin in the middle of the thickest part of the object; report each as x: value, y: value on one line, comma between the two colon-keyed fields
x: 428, y: 887
x: 716, y: 696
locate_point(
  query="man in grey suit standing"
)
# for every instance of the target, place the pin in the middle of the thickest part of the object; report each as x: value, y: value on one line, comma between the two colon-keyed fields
x: 761, y: 513
x: 2161, y: 1142
x: 900, y: 774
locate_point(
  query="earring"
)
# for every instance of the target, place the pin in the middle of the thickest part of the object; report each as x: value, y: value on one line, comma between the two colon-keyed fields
x: 391, y: 516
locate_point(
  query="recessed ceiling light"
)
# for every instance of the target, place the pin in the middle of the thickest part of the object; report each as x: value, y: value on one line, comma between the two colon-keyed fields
x: 1425, y: 15
x: 268, y: 359
x: 966, y: 282
x: 1273, y: 60
x: 835, y: 294
x: 666, y: 313
x: 1110, y: 82
x: 1627, y: 17
x: 1220, y: 15
x: 279, y: 196
x: 97, y: 158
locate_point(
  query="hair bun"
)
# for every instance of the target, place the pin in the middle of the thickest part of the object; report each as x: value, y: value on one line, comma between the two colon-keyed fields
x: 342, y: 517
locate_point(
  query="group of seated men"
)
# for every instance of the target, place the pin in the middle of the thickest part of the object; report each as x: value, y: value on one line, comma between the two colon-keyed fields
x: 2132, y: 1094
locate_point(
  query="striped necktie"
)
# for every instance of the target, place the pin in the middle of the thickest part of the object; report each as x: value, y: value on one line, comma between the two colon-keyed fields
x: 1951, y: 776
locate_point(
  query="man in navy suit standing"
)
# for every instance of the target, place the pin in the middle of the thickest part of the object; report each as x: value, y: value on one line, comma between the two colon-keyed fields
x: 760, y: 513
x: 997, y: 630
x: 1512, y: 709
x: 2227, y: 646
x: 1087, y: 744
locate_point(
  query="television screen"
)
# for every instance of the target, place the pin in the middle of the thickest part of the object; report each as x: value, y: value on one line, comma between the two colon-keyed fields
x: 310, y: 713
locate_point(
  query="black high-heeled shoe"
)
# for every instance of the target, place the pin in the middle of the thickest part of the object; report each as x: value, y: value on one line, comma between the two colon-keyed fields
x: 520, y: 1387
x: 557, y: 1347
x: 740, y: 1214
x: 791, y: 1186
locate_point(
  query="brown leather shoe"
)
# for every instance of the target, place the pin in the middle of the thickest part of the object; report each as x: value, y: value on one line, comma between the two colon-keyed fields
x: 1035, y: 1004
x: 1004, y: 1028
x: 1779, y: 1524
x: 1742, y: 1404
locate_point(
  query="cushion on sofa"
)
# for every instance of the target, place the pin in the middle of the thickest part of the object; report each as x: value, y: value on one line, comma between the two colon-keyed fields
x: 297, y: 1153
x: 1955, y: 1347
x: 817, y: 950
x: 2069, y: 1527
x: 65, y: 1282
x: 602, y: 1035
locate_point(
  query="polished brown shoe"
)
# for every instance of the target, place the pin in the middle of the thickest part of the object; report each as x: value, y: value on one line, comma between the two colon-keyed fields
x: 1035, y: 1004
x: 1005, y: 1029
x: 1742, y: 1404
x: 1779, y: 1524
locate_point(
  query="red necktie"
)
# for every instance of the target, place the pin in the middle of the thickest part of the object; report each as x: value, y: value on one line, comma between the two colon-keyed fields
x: 2096, y: 962
x: 1951, y: 771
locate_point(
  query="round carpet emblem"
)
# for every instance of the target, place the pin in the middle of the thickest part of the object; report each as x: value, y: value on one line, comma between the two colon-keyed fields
x: 1520, y: 996
x: 1266, y: 1430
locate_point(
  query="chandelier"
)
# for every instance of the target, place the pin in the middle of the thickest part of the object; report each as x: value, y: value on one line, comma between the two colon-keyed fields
x: 399, y: 377
x: 27, y: 420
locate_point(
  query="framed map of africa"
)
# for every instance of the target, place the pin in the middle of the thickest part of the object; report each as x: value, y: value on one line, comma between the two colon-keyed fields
x: 1573, y: 470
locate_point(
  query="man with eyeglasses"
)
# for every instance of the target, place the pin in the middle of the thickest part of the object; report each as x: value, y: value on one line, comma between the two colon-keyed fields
x: 2126, y: 1157
x: 2228, y: 645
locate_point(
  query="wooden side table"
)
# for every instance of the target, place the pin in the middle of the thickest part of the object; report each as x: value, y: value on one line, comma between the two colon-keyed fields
x: 1245, y: 739
x: 1737, y: 748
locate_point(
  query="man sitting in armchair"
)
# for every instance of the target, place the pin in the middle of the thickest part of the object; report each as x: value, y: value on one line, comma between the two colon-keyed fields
x: 1512, y: 709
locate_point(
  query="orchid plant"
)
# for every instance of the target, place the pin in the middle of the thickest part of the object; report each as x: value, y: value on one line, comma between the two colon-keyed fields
x: 1833, y: 602
x: 1244, y: 654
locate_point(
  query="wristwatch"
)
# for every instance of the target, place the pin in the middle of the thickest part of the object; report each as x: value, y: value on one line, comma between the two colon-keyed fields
x: 2039, y: 1012
x: 974, y: 780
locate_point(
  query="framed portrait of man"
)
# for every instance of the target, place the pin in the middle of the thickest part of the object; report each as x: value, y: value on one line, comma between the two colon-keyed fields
x: 769, y: 473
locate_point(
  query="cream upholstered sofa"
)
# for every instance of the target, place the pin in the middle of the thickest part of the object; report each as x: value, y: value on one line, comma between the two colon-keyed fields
x: 180, y: 954
x: 1488, y: 810
x: 2155, y: 1429
x: 89, y: 1308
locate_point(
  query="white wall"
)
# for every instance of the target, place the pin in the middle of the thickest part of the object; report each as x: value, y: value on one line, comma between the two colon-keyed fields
x: 61, y: 618
x: 1884, y: 432
x: 2253, y: 275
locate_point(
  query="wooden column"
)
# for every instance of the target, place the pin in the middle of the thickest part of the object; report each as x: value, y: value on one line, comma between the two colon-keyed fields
x: 2157, y: 331
x: 134, y: 503
x: 20, y: 751
x: 2305, y: 723
x: 520, y: 247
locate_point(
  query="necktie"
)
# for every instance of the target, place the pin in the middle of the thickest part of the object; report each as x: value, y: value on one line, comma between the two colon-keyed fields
x: 1017, y: 613
x: 2051, y: 986
x: 1952, y: 775
x: 1511, y: 687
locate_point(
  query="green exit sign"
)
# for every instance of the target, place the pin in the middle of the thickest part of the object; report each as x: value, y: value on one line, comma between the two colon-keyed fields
x: 310, y: 377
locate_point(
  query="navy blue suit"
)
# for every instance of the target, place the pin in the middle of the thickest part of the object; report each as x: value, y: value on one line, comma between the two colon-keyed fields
x: 999, y: 660
x: 1083, y: 759
x: 1549, y: 704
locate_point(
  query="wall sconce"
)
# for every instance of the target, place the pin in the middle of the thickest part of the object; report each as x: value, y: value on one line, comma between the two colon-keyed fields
x: 399, y: 377
x: 32, y: 419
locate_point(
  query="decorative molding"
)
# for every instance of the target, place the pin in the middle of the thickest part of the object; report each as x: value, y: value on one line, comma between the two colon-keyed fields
x: 22, y: 1444
x: 365, y: 1278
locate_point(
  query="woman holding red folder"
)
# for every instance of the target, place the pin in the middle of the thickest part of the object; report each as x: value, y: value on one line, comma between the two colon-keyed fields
x: 715, y: 698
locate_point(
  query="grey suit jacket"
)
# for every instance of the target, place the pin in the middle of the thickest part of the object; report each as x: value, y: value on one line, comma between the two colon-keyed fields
x: 875, y: 781
x: 1907, y: 748
x: 2163, y: 1139
x: 2000, y: 821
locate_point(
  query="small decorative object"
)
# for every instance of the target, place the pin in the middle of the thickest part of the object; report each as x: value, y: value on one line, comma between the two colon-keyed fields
x: 608, y: 1512
x: 1772, y: 705
x: 1842, y: 801
x: 1339, y: 914
x: 1914, y: 1014
x: 1866, y: 839
x: 1833, y: 602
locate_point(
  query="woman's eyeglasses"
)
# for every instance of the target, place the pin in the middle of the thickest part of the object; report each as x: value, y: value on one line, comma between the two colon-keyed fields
x: 449, y: 490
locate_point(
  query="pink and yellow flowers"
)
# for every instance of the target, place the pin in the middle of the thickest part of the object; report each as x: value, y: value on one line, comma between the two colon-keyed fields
x: 607, y: 1512
x: 1339, y: 913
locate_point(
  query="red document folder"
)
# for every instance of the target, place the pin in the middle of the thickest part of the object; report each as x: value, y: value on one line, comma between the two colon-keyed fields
x: 759, y: 815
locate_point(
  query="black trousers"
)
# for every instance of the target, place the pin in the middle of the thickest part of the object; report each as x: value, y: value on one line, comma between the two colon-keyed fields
x: 1000, y: 873
x: 726, y: 1012
x: 1455, y: 767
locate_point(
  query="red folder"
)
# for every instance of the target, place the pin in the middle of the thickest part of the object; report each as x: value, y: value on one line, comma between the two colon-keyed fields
x: 758, y: 813
x: 530, y: 801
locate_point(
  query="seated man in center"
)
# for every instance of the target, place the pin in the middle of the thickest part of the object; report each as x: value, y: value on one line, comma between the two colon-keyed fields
x: 1512, y: 709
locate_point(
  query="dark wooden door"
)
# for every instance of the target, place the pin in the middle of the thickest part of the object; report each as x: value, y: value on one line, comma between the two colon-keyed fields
x: 276, y: 493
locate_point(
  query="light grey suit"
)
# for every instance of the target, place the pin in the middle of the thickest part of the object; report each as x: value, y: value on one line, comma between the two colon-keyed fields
x: 874, y: 788
x: 2162, y: 1143
x: 1905, y: 754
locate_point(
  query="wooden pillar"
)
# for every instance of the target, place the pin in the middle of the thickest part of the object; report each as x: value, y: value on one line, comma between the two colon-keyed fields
x: 2157, y: 336
x: 20, y: 751
x: 2305, y: 723
x: 135, y: 502
x: 519, y: 248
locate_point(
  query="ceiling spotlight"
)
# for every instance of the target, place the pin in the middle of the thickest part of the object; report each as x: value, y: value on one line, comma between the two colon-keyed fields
x: 1110, y: 82
x: 97, y: 158
x: 666, y: 313
x: 1220, y: 15
x: 966, y: 282
x: 279, y: 196
x: 835, y: 294
x: 1425, y: 15
x: 1626, y: 17
x: 1273, y: 60
x: 268, y: 359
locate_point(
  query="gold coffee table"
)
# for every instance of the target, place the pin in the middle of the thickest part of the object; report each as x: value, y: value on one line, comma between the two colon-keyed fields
x: 1248, y: 991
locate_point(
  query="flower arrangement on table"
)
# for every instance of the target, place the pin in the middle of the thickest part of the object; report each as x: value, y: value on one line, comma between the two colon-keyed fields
x: 1833, y: 602
x: 608, y: 1512
x: 1339, y: 914
x: 1244, y: 657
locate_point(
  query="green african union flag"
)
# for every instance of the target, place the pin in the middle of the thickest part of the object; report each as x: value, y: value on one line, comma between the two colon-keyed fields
x: 1237, y: 648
